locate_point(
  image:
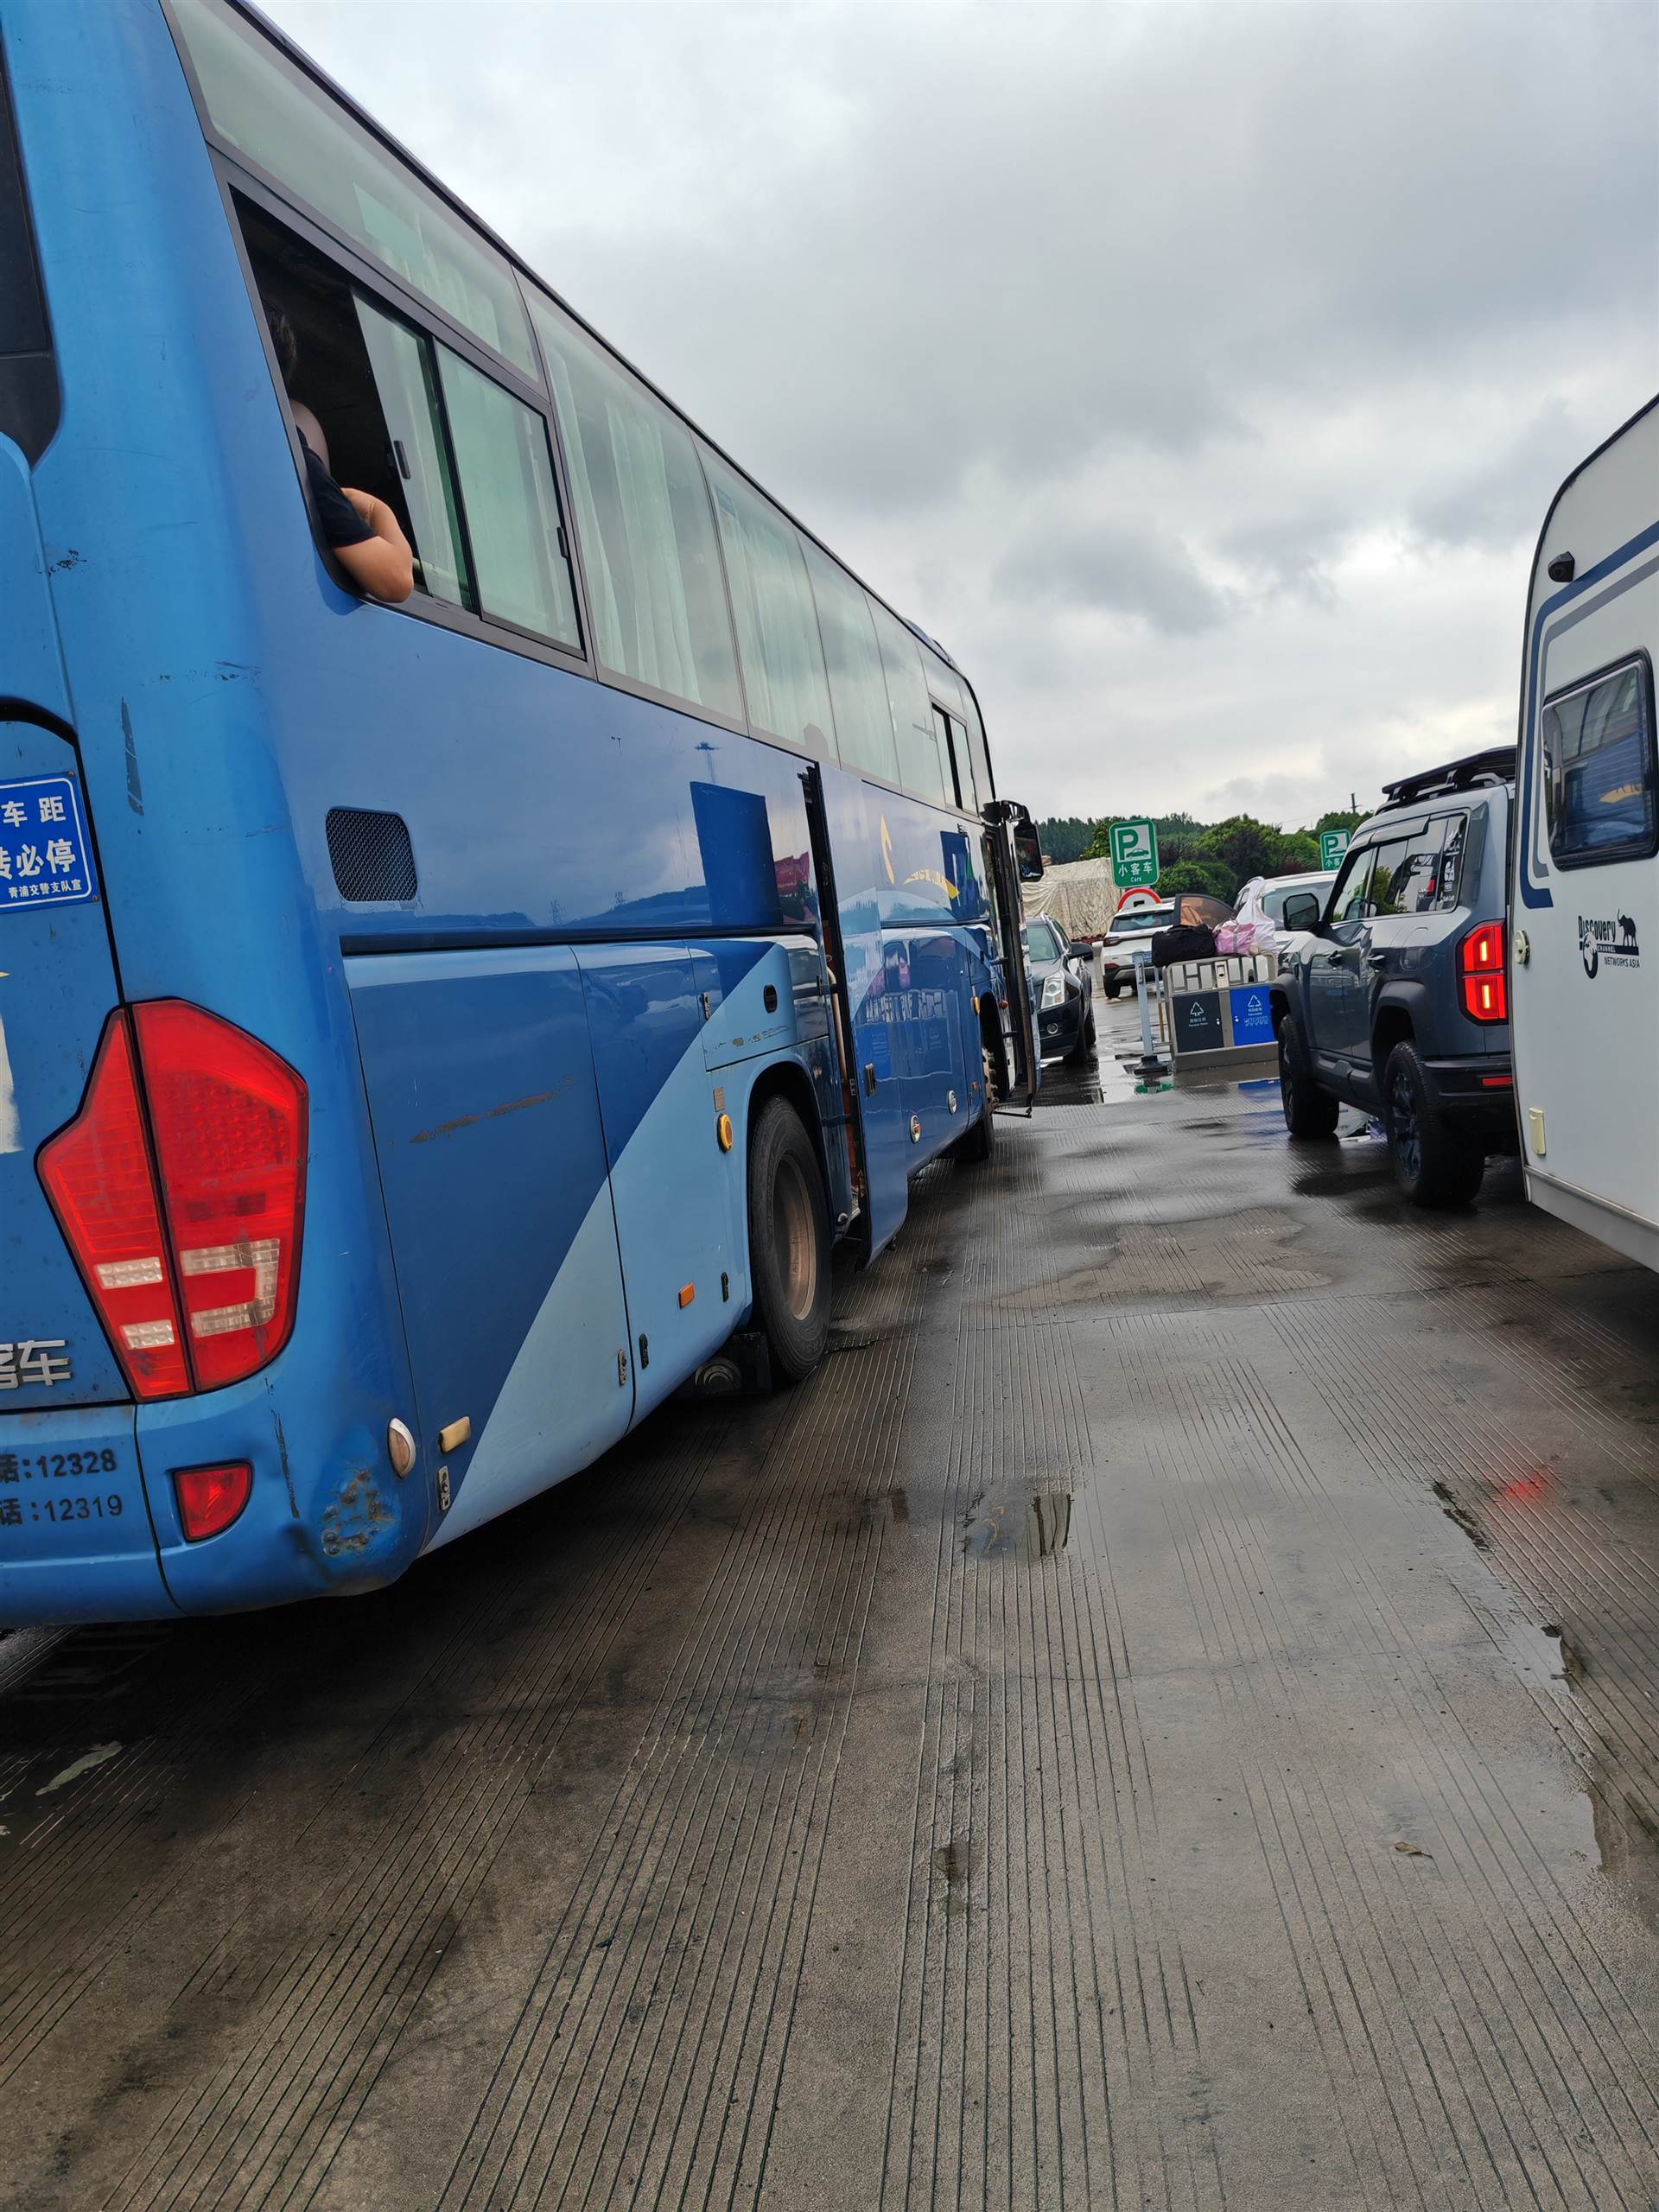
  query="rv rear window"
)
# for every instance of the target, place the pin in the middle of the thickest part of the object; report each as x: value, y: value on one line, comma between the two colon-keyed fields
x: 1598, y: 768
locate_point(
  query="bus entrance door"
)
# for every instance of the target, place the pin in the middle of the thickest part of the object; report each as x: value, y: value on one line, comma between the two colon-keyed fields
x: 1002, y: 819
x: 853, y: 963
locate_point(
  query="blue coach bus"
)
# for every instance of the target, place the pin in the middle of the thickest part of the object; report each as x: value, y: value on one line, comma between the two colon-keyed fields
x: 427, y: 1034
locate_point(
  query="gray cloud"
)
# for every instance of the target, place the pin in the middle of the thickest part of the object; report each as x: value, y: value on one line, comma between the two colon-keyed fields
x: 1198, y: 374
x: 1116, y: 567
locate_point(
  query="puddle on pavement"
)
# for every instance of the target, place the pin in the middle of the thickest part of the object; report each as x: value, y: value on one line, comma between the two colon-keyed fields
x: 1037, y: 1527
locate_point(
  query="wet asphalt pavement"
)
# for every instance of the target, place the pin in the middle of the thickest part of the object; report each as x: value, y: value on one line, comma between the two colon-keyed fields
x: 1169, y: 1717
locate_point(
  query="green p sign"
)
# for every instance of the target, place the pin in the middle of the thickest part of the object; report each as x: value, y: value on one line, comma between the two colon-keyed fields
x: 1333, y: 843
x: 1134, y: 854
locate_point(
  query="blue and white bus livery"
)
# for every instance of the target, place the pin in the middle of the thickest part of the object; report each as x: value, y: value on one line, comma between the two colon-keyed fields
x: 428, y: 1033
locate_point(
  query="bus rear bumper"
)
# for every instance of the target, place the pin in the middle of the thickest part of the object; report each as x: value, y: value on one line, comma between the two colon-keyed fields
x: 76, y: 1540
x: 325, y: 1515
x: 90, y: 1526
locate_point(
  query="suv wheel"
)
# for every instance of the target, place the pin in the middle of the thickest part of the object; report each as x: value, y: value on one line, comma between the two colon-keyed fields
x: 1434, y: 1162
x: 1309, y: 1111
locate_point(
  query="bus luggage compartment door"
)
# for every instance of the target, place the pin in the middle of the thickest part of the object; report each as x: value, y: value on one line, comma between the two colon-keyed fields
x: 676, y: 1191
x: 480, y: 1087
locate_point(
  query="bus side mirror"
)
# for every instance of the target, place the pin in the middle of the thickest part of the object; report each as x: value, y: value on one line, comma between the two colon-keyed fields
x: 1028, y: 852
x: 1302, y: 911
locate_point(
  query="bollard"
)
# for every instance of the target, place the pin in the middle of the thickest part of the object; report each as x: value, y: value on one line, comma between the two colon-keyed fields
x: 1149, y: 1064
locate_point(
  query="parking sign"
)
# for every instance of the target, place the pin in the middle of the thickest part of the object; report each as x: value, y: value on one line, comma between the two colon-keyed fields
x: 1135, y: 853
x: 1333, y: 843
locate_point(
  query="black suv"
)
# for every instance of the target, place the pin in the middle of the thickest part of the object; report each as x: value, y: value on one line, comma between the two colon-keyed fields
x: 1399, y: 1002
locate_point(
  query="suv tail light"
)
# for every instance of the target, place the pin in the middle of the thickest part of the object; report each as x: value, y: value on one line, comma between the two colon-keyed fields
x: 185, y: 1218
x: 1482, y: 973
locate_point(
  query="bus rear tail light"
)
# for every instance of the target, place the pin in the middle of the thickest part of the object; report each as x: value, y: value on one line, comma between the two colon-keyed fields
x: 210, y: 1498
x: 229, y: 1120
x: 183, y: 1199
x: 1482, y: 973
x: 100, y: 1179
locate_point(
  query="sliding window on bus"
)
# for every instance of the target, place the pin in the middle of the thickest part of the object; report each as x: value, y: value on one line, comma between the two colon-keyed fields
x: 428, y: 1034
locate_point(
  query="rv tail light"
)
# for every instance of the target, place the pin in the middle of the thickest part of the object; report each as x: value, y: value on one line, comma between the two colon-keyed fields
x: 210, y: 1498
x: 1482, y: 974
x: 99, y: 1176
x: 229, y: 1120
x: 179, y: 1187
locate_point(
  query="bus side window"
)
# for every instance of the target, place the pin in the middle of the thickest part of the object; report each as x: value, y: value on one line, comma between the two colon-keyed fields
x: 921, y: 770
x: 863, y: 725
x: 402, y: 361
x: 655, y: 589
x: 511, y: 506
x: 982, y: 759
x: 778, y: 640
x: 334, y: 376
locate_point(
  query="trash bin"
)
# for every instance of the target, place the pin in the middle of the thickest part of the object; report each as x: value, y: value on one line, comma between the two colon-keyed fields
x: 1218, y: 1011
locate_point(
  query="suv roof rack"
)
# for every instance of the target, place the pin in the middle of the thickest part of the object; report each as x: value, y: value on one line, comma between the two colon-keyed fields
x: 1495, y: 765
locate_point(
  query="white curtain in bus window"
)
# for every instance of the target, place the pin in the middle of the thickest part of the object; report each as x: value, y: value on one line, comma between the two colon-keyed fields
x: 644, y: 524
x: 1599, y: 779
x: 401, y: 362
x: 511, y: 508
x: 920, y: 769
x: 778, y: 638
x: 857, y: 686
x: 283, y: 124
x: 976, y: 748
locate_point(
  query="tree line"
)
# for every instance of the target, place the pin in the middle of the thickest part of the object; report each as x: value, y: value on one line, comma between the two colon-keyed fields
x: 1217, y: 857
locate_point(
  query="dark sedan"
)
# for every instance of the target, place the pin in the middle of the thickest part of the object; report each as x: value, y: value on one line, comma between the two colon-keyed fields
x: 1062, y: 990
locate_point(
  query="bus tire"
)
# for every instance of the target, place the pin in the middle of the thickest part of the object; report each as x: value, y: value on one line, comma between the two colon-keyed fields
x: 978, y: 1144
x: 1435, y: 1163
x: 1309, y: 1111
x: 789, y: 1241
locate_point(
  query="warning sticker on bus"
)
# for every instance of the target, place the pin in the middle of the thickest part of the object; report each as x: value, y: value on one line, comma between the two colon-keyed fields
x: 46, y: 856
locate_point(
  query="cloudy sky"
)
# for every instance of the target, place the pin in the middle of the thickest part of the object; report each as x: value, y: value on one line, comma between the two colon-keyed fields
x: 1199, y: 375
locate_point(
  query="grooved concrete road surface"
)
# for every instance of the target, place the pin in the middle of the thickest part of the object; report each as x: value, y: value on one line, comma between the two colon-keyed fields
x: 1167, y: 1718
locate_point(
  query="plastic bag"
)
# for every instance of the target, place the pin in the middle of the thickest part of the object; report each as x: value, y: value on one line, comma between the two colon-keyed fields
x: 1227, y: 937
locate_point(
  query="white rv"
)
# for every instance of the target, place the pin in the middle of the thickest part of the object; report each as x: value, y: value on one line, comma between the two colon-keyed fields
x: 1584, y: 884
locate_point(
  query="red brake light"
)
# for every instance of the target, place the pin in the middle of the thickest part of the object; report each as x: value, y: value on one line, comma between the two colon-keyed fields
x: 1483, y: 974
x: 99, y: 1179
x: 229, y: 1120
x: 205, y: 1195
x: 211, y: 1498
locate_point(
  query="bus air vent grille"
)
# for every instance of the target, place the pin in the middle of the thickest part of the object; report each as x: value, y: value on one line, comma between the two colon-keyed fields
x: 371, y: 854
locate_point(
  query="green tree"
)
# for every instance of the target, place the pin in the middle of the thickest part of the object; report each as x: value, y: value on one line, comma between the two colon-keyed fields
x: 1213, y: 877
x: 1338, y: 818
x: 1065, y: 838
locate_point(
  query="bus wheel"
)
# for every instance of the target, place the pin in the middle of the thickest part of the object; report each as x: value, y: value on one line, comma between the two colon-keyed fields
x: 789, y: 1241
x: 979, y: 1143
